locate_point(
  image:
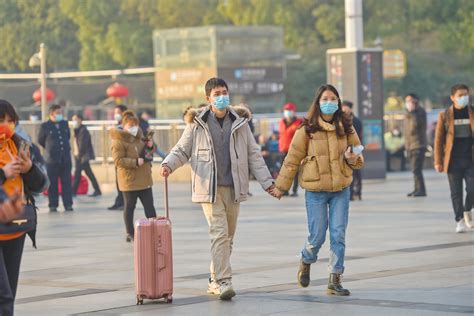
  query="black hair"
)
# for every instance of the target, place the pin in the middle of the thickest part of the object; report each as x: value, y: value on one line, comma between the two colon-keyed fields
x: 457, y: 87
x: 311, y: 121
x: 54, y: 107
x: 214, y: 83
x: 348, y: 103
x: 79, y: 116
x: 7, y: 109
x: 414, y: 96
x: 121, y: 107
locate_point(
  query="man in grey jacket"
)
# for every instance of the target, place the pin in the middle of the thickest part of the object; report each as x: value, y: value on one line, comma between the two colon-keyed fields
x: 221, y: 149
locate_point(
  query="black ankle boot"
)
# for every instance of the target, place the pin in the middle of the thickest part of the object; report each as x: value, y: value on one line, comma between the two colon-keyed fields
x: 303, y: 274
x: 335, y: 287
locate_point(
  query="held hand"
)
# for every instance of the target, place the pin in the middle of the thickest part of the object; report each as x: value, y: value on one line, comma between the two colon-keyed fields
x: 439, y: 168
x: 12, y: 169
x: 141, y: 161
x: 350, y: 156
x: 277, y: 193
x: 24, y: 160
x: 165, y: 171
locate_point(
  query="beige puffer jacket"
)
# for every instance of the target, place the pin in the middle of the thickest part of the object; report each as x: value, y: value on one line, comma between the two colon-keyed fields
x: 126, y: 149
x: 320, y: 160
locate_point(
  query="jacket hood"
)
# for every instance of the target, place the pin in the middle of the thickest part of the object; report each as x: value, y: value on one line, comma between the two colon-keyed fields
x: 121, y: 135
x: 191, y: 113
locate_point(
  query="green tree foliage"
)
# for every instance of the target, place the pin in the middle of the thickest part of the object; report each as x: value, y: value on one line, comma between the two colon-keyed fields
x: 438, y: 36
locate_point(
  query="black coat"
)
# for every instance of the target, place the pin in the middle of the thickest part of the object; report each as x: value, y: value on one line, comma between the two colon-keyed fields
x: 82, y: 137
x: 35, y: 181
x: 415, y: 129
x: 55, y: 141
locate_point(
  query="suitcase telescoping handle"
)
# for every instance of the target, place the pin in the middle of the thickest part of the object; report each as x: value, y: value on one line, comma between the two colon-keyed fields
x: 167, y: 209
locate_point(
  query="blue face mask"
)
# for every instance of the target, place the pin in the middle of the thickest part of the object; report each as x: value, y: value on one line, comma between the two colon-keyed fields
x: 463, y: 101
x: 329, y: 108
x: 221, y: 102
x: 59, y: 117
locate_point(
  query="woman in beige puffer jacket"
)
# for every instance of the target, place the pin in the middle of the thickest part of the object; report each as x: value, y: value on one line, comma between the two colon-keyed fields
x: 322, y: 150
x: 133, y: 172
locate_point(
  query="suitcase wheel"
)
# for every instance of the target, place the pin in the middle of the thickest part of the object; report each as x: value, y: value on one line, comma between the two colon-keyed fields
x: 169, y: 299
x: 139, y: 300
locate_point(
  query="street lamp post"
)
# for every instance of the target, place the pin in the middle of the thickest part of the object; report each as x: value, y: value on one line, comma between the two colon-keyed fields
x: 39, y: 59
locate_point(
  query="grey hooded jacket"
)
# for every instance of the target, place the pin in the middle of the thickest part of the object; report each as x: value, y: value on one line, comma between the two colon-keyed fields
x: 195, y: 145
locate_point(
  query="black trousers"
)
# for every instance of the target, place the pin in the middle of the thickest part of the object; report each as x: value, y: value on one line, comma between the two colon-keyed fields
x: 417, y: 157
x: 455, y: 177
x: 119, y: 198
x: 10, y: 260
x: 356, y: 185
x: 295, y: 180
x: 130, y: 199
x: 63, y: 172
x: 80, y: 166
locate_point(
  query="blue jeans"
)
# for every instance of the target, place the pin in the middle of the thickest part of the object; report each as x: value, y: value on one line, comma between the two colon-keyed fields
x: 327, y: 209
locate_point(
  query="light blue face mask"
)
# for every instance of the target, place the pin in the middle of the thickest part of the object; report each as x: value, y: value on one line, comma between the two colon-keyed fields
x: 221, y: 102
x: 329, y: 108
x: 59, y: 117
x: 463, y: 101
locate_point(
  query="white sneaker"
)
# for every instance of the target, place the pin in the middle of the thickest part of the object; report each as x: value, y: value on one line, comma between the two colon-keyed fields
x: 224, y: 289
x: 461, y: 227
x: 213, y: 288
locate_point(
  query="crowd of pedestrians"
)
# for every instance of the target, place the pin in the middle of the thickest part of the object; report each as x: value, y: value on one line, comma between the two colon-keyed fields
x: 316, y: 152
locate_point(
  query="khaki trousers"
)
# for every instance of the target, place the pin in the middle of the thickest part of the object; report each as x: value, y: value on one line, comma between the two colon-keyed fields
x: 222, y: 219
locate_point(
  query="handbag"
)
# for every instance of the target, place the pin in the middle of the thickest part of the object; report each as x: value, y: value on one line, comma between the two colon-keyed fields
x: 148, y: 152
x: 24, y: 223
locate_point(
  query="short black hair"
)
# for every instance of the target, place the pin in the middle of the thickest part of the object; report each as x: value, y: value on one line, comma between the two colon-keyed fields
x: 459, y: 86
x: 348, y: 103
x: 214, y: 83
x: 414, y: 96
x: 79, y: 116
x: 121, y: 107
x: 54, y: 107
x: 7, y: 109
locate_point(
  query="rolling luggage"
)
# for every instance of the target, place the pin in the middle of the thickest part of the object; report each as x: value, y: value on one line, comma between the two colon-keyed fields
x: 154, y: 257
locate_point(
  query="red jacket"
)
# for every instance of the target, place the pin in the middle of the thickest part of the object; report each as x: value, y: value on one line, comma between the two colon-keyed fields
x: 287, y: 132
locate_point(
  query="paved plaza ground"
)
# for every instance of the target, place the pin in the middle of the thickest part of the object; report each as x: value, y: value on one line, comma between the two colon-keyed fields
x: 403, y: 258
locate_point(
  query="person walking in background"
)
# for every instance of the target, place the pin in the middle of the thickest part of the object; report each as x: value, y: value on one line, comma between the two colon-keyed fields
x: 118, y: 204
x: 356, y: 185
x: 54, y: 136
x: 395, y: 148
x: 133, y: 172
x: 20, y: 178
x: 321, y: 148
x: 454, y: 153
x: 415, y: 141
x: 221, y: 148
x: 83, y: 153
x: 288, y: 125
x: 143, y: 121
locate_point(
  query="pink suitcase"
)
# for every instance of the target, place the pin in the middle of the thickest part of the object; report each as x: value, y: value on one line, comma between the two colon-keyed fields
x: 154, y: 257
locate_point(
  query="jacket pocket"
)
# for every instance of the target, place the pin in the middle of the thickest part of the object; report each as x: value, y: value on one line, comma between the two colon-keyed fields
x: 202, y: 177
x: 345, y: 168
x: 203, y: 155
x: 310, y: 169
x: 129, y: 176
